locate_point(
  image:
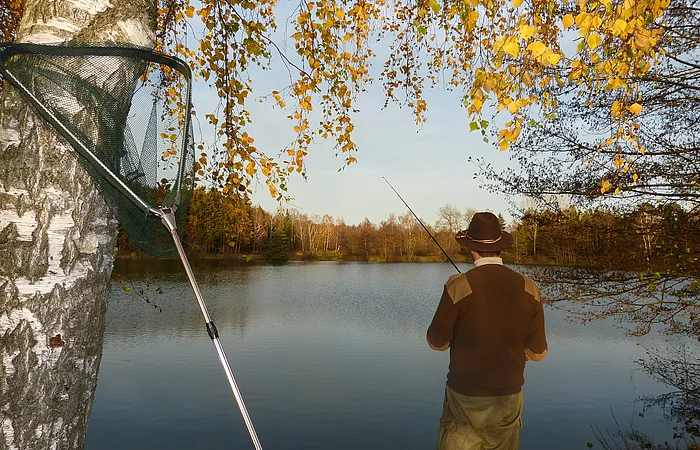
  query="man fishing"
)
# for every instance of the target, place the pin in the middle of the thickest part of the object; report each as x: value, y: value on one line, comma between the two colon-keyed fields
x: 492, y: 320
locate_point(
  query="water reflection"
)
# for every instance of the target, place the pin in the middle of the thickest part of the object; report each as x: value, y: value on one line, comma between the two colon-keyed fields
x: 333, y: 356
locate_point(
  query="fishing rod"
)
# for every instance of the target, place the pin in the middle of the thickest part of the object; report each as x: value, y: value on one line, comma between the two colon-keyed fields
x: 421, y: 224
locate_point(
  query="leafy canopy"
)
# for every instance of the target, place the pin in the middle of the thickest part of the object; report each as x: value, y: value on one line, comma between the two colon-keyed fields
x: 503, y: 58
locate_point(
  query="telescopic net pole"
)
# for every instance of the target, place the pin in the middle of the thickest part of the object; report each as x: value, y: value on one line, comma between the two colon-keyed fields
x: 167, y: 216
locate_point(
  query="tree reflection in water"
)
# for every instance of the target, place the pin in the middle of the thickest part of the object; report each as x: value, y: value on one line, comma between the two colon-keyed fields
x: 641, y: 302
x: 679, y: 369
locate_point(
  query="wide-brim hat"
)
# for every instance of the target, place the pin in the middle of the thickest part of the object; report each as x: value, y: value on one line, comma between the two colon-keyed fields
x: 484, y: 234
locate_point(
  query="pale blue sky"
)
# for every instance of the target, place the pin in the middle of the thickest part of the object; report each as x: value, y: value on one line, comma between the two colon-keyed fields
x: 427, y: 165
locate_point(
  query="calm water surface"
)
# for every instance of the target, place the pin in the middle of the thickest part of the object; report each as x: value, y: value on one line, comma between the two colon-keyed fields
x: 332, y: 356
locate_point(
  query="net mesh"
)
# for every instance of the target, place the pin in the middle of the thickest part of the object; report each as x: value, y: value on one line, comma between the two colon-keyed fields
x: 126, y: 111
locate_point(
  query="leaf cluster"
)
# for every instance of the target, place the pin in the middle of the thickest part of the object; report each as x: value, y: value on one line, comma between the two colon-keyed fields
x: 328, y: 69
x: 10, y: 13
x: 581, y: 152
x: 511, y: 59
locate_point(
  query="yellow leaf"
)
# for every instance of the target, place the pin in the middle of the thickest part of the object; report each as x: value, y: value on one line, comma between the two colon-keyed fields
x: 635, y: 177
x: 339, y: 14
x: 515, y: 132
x: 615, y: 109
x: 619, y: 27
x: 526, y: 31
x: 477, y: 104
x: 498, y: 45
x: 512, y: 48
x: 568, y: 20
x: 503, y: 145
x: 553, y: 58
x: 537, y: 48
x: 251, y: 168
x: 513, y: 107
x: 517, y: 3
x: 635, y: 108
x: 642, y: 42
x: 594, y: 40
x: 583, y: 20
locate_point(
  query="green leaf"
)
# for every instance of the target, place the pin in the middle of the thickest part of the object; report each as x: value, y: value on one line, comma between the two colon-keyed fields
x: 473, y: 126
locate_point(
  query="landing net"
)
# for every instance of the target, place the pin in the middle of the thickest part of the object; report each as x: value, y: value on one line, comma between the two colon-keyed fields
x: 126, y: 111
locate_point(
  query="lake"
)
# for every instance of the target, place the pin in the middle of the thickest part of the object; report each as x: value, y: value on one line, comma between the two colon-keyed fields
x: 332, y: 355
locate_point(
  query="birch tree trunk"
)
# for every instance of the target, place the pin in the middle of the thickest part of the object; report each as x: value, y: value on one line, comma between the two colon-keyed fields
x: 57, y: 240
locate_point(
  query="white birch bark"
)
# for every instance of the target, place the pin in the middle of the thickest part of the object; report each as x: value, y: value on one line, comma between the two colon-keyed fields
x: 56, y: 245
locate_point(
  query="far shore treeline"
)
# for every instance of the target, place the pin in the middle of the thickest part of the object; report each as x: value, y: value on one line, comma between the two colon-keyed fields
x: 229, y: 226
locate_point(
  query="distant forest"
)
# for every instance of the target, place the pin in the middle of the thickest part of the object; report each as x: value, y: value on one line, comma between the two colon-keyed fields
x: 229, y: 226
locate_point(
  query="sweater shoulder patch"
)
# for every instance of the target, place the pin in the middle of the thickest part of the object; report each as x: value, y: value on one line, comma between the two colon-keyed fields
x: 458, y: 287
x: 531, y: 288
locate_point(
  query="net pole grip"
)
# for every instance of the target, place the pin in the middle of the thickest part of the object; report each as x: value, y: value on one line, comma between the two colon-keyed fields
x: 167, y: 216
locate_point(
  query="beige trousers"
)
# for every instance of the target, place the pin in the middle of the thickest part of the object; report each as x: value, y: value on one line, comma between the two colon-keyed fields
x: 480, y: 423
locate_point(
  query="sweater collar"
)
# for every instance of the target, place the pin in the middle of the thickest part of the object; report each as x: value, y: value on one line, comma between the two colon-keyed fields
x: 488, y: 260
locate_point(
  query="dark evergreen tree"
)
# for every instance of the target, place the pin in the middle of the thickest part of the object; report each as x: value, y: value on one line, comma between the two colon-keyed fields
x: 275, y: 249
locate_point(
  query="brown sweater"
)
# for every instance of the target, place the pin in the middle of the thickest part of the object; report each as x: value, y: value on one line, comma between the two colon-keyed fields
x: 492, y: 320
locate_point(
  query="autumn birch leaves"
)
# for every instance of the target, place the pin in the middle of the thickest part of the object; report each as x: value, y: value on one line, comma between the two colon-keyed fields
x: 507, y: 59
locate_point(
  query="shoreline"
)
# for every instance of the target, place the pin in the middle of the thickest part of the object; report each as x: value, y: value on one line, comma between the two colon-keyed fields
x: 312, y: 257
